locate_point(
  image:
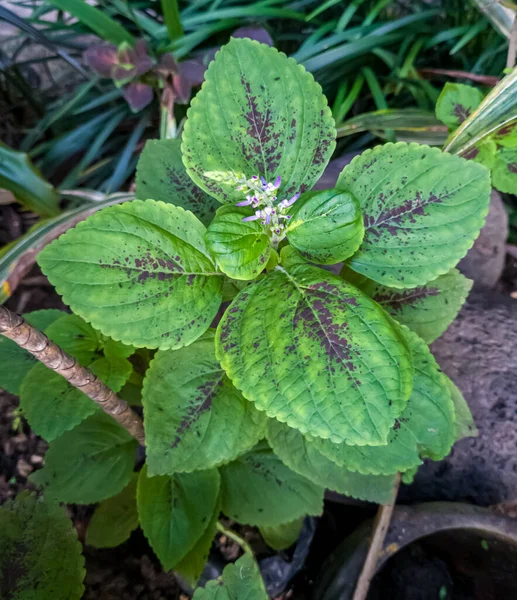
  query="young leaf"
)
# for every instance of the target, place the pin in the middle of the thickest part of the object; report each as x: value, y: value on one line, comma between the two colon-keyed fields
x: 92, y: 462
x: 258, y: 113
x: 428, y: 309
x: 140, y: 272
x: 304, y: 458
x: 425, y: 428
x: 194, y: 416
x: 422, y: 210
x: 114, y: 519
x: 19, y: 361
x: 161, y: 175
x: 504, y: 171
x: 281, y: 537
x: 314, y: 352
x: 40, y: 555
x: 241, y: 249
x: 175, y: 511
x: 75, y: 336
x: 240, y: 580
x: 112, y: 371
x: 456, y: 103
x: 464, y: 424
x: 258, y: 489
x: 192, y: 565
x: 326, y: 227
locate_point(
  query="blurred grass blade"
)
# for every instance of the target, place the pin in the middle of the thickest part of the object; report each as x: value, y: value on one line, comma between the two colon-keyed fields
x: 171, y: 16
x: 17, y: 258
x: 499, y: 108
x: 349, y: 101
x: 322, y: 8
x: 96, y: 20
x: 19, y: 176
x: 501, y: 17
x: 410, y: 125
x: 470, y: 35
x: 348, y: 14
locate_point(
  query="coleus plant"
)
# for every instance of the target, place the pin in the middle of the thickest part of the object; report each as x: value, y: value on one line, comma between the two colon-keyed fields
x: 275, y: 336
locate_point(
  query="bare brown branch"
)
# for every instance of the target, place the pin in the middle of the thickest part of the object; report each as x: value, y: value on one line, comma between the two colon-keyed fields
x: 16, y: 328
x: 380, y: 528
x: 488, y: 80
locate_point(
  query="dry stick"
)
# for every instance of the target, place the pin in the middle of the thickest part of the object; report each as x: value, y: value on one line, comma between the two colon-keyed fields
x: 16, y: 328
x: 512, y: 46
x: 380, y: 528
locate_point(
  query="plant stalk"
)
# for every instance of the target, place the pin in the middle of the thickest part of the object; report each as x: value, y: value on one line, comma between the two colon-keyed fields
x: 380, y: 529
x: 29, y: 338
x: 171, y: 16
x: 236, y: 538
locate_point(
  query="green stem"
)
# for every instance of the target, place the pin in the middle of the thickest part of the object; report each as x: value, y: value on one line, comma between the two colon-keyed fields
x: 171, y: 16
x: 236, y: 538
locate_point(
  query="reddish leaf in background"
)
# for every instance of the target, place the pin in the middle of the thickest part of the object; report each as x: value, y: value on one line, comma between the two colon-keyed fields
x: 254, y: 33
x: 138, y: 95
x: 101, y: 58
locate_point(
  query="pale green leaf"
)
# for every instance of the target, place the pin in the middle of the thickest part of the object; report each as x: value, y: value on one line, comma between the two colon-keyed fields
x: 194, y: 417
x: 422, y: 211
x: 114, y: 519
x: 304, y: 458
x: 240, y: 581
x: 92, y: 462
x: 326, y: 227
x: 258, y: 113
x: 428, y: 309
x: 424, y: 430
x: 19, y: 361
x: 112, y: 371
x: 280, y: 537
x: 241, y: 249
x: 258, y: 489
x: 464, y: 424
x: 314, y: 352
x: 456, y: 103
x: 192, y: 565
x: 504, y: 171
x: 40, y: 555
x: 175, y: 511
x: 161, y: 175
x: 140, y: 272
x: 484, y: 152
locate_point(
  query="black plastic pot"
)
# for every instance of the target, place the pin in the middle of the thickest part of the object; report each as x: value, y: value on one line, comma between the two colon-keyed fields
x: 437, y: 550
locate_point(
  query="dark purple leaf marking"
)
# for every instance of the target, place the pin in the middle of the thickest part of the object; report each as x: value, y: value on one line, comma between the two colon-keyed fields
x: 462, y: 112
x: 398, y: 300
x: 470, y: 154
x: 512, y: 167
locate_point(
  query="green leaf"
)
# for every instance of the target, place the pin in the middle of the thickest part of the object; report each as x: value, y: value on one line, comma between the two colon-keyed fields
x: 326, y: 227
x: 314, y: 352
x: 464, y: 424
x: 484, y: 153
x: 175, y: 511
x: 194, y: 416
x: 161, y: 175
x: 425, y: 428
x: 75, y: 336
x: 240, y: 581
x: 304, y: 458
x: 40, y: 555
x: 504, y: 171
x: 113, y: 371
x: 19, y: 361
x: 428, y: 309
x: 92, y: 462
x: 422, y: 210
x: 241, y: 249
x: 456, y: 103
x: 258, y: 489
x: 98, y: 21
x: 19, y: 176
x: 51, y: 405
x: 281, y: 537
x: 191, y: 567
x: 114, y: 519
x: 140, y: 272
x: 258, y: 113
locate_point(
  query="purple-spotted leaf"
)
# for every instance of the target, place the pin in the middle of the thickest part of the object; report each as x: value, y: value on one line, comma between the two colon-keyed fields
x: 456, y: 103
x: 504, y: 171
x: 161, y: 175
x: 194, y: 417
x: 428, y: 309
x: 139, y: 272
x: 258, y: 113
x: 425, y: 429
x: 422, y: 211
x: 314, y: 352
